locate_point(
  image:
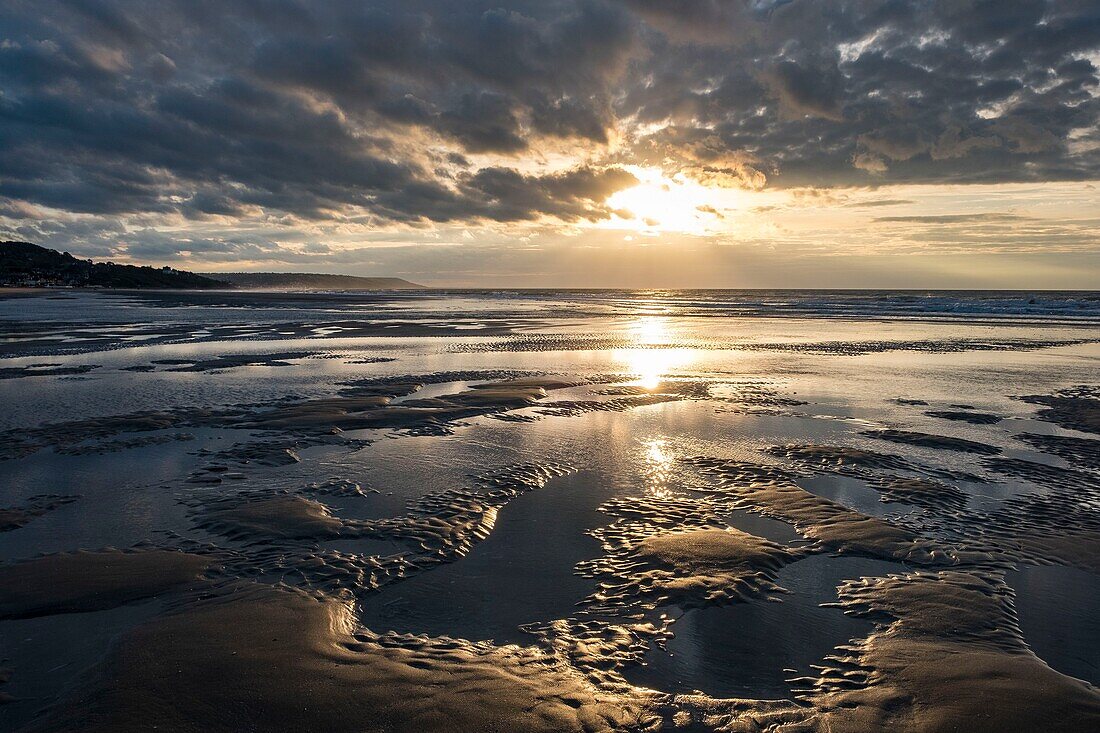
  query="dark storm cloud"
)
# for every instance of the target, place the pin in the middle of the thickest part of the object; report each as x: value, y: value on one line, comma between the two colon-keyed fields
x: 225, y: 109
x: 809, y: 89
x: 844, y: 93
x: 210, y: 109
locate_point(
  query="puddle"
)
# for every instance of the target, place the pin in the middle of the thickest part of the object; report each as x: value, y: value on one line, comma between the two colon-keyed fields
x: 742, y: 650
x: 522, y: 573
x: 1057, y: 611
x: 49, y: 654
x: 766, y: 527
x: 850, y: 492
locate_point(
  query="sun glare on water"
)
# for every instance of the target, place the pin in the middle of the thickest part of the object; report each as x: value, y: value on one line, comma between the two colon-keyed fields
x: 657, y: 463
x: 653, y: 358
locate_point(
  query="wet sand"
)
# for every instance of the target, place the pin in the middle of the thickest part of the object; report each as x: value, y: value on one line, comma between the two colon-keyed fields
x: 264, y: 659
x: 92, y: 581
x: 467, y: 513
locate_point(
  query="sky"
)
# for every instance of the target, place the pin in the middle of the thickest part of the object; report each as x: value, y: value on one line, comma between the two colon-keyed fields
x: 562, y: 143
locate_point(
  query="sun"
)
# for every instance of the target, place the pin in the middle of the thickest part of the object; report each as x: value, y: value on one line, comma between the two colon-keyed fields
x: 659, y: 203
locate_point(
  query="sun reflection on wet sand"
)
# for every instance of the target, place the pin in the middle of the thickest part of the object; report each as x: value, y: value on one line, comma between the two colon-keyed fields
x: 650, y: 330
x: 657, y: 466
x: 652, y: 360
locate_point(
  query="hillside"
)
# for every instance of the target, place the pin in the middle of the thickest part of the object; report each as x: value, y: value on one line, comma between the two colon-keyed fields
x: 28, y: 265
x: 311, y: 281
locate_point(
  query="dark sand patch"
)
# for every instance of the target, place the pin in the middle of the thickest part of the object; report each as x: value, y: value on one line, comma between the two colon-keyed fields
x: 974, y: 418
x: 114, y: 446
x: 834, y: 457
x: 515, y: 417
x: 862, y: 463
x: 282, y: 358
x: 323, y: 414
x: 267, y: 660
x: 19, y: 516
x: 366, y: 404
x: 92, y: 581
x: 1077, y: 408
x: 1045, y: 475
x: 919, y: 492
x: 70, y: 435
x: 511, y: 393
x: 1083, y: 452
x: 926, y: 440
x: 695, y: 388
x: 45, y: 370
x: 369, y: 360
x: 12, y: 447
x: 622, y: 390
x: 274, y: 452
x: 260, y: 452
x: 763, y: 400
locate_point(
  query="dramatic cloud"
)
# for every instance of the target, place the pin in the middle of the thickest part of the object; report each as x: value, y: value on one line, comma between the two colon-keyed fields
x: 113, y: 108
x: 419, y: 113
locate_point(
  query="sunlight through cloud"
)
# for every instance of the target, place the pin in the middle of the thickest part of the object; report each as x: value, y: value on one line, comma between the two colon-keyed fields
x: 677, y: 204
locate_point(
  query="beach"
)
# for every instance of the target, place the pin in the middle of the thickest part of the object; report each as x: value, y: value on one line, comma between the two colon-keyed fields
x: 550, y: 511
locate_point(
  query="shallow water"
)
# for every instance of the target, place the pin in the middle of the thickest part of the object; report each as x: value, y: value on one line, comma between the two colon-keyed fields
x: 1057, y: 611
x: 417, y: 481
x: 717, y: 650
x: 521, y: 574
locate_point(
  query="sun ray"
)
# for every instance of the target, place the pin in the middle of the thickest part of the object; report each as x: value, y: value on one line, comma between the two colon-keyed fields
x: 659, y: 204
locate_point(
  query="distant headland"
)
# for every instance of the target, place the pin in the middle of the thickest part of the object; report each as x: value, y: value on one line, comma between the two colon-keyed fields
x: 23, y: 264
x: 310, y: 281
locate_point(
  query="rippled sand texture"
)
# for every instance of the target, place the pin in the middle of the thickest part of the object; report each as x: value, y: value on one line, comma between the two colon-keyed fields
x: 548, y: 512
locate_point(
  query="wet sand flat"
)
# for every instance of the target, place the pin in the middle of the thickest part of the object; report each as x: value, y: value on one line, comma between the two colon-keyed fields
x: 594, y: 511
